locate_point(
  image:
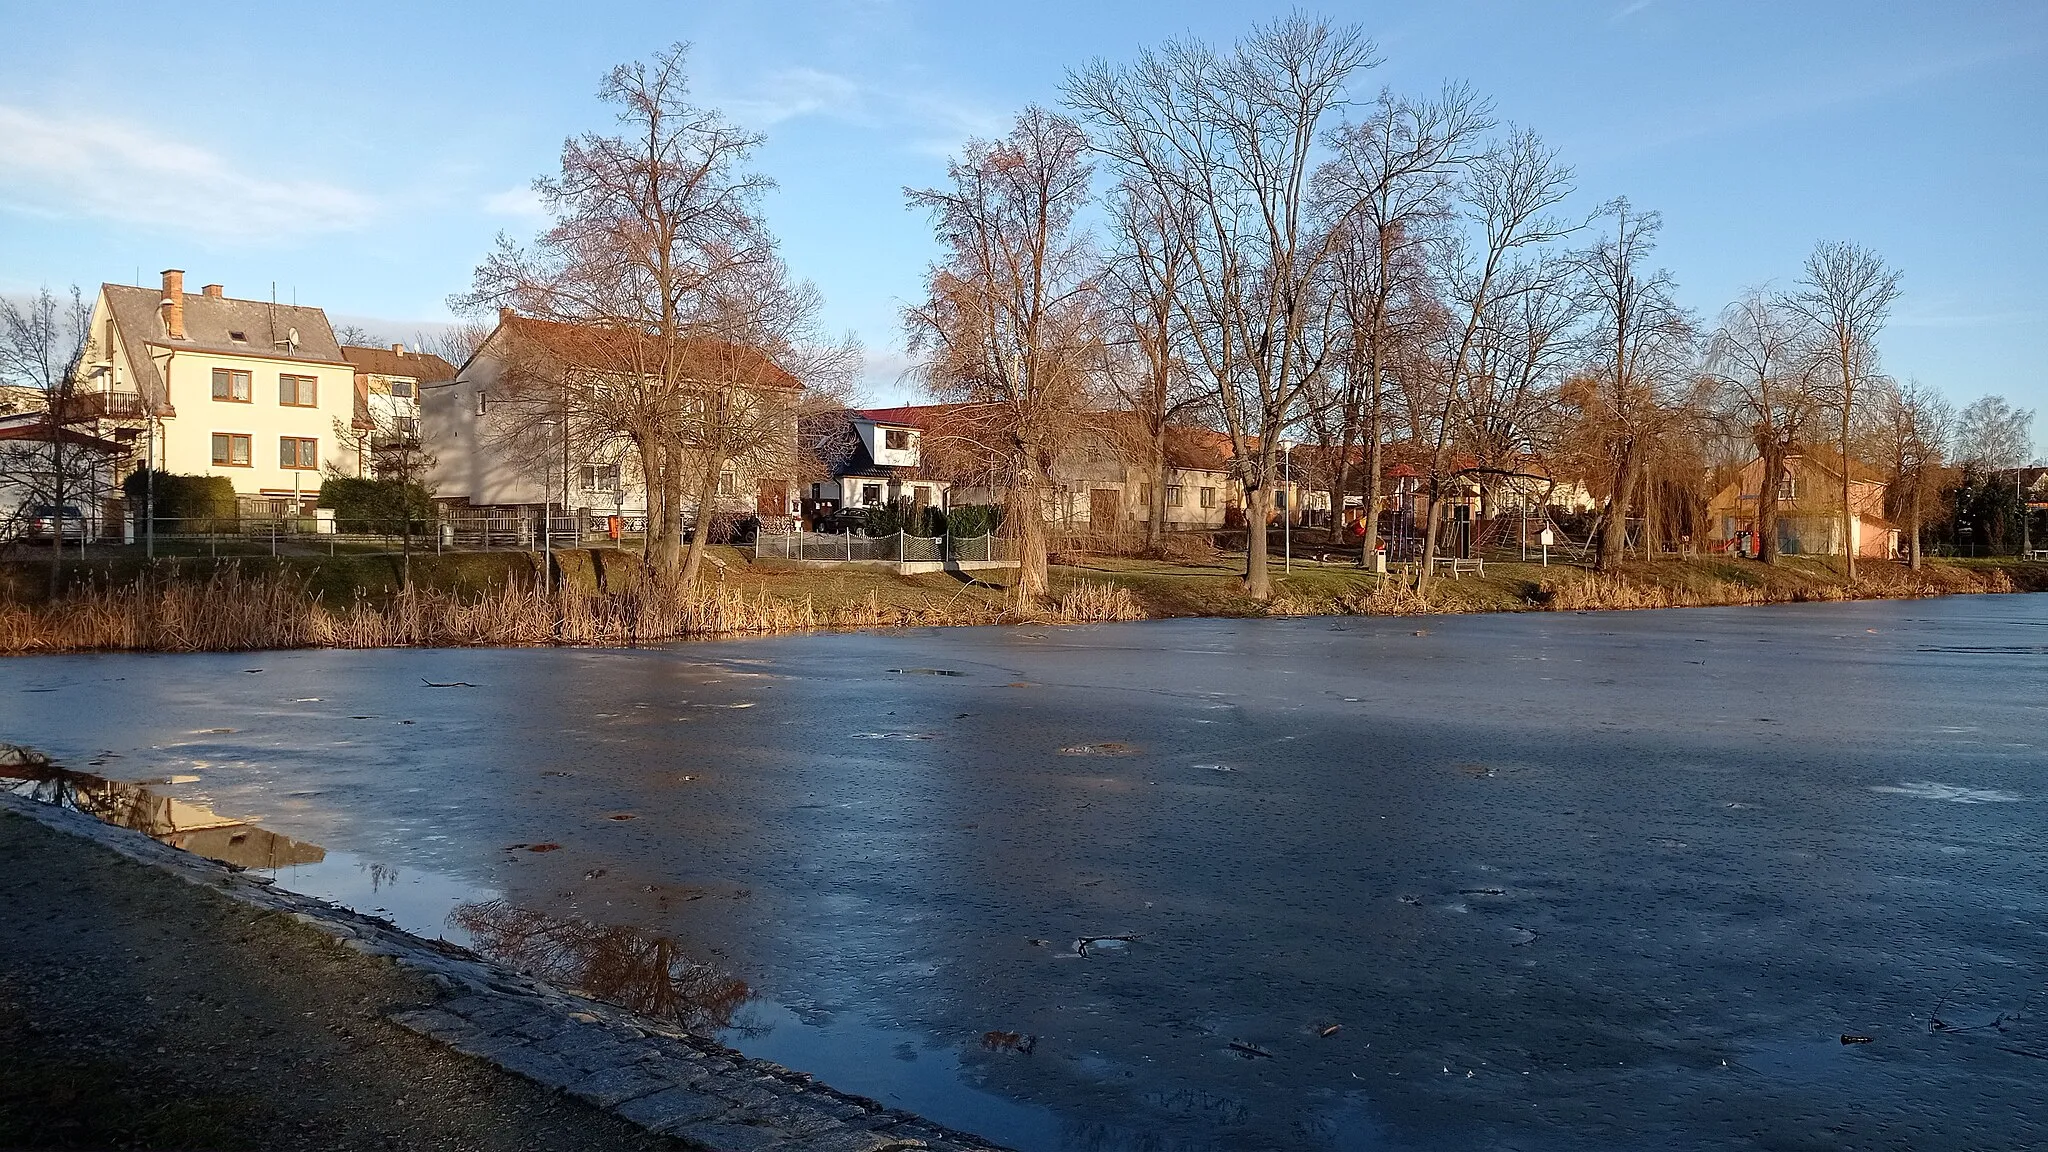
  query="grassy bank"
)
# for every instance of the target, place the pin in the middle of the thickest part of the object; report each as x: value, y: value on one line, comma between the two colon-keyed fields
x: 119, y: 604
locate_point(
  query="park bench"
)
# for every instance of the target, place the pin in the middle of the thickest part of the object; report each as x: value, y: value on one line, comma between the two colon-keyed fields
x: 1458, y: 566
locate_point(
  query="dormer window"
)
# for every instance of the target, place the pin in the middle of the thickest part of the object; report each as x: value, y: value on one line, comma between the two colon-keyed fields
x: 239, y: 337
x: 895, y: 440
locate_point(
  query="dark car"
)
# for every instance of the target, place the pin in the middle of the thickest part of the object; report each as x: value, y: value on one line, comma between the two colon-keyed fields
x: 41, y: 523
x: 845, y: 520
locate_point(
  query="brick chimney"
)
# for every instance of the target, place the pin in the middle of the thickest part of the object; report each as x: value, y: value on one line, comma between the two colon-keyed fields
x: 399, y: 349
x: 173, y: 304
x: 505, y: 315
x: 213, y: 292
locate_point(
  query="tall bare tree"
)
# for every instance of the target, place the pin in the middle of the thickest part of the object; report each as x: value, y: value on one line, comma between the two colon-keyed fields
x: 1147, y: 361
x: 1846, y: 293
x: 43, y: 346
x: 1508, y: 200
x: 1009, y: 321
x: 1644, y: 350
x: 1767, y: 392
x: 650, y: 227
x: 1911, y: 427
x: 1392, y: 185
x: 1234, y: 131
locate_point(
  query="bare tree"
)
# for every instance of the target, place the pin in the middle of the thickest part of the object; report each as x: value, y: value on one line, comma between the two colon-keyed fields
x: 1008, y: 324
x: 1508, y: 199
x: 1992, y: 434
x: 1644, y: 349
x: 1147, y: 368
x: 1234, y: 132
x: 1392, y: 185
x: 1767, y: 392
x: 355, y: 335
x: 1911, y: 429
x: 651, y: 226
x: 43, y: 345
x: 1846, y: 293
x: 455, y: 343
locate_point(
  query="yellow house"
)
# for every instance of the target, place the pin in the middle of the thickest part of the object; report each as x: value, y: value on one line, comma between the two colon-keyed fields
x: 209, y: 385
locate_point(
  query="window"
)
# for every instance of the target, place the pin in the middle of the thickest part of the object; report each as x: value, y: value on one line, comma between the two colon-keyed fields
x: 298, y: 391
x: 1173, y: 495
x: 1208, y: 497
x: 895, y: 440
x: 600, y: 477
x: 728, y: 483
x: 1144, y: 495
x: 871, y: 494
x: 297, y: 452
x: 402, y: 389
x: 1787, y: 490
x: 229, y: 384
x: 239, y: 337
x: 408, y: 426
x: 482, y: 401
x: 231, y: 449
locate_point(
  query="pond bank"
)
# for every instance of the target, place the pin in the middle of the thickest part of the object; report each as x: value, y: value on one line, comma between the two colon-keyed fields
x: 239, y: 604
x: 163, y: 1000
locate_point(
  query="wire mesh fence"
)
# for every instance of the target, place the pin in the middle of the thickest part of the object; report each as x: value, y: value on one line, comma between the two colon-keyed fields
x: 893, y: 547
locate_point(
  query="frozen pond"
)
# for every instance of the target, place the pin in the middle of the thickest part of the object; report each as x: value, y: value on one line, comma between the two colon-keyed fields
x: 1607, y: 881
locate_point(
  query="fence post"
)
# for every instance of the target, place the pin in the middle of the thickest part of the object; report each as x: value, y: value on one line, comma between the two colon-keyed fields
x: 273, y: 536
x: 849, y: 545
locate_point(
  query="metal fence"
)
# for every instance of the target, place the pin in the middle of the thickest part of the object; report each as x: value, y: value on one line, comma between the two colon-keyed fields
x: 895, y: 547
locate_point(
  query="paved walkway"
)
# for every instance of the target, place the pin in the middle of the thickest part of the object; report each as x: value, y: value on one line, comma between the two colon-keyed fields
x: 136, y: 1010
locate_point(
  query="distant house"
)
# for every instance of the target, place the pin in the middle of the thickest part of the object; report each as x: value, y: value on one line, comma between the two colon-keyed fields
x: 1809, y: 509
x: 497, y: 445
x: 874, y: 456
x: 207, y: 384
x: 387, y: 397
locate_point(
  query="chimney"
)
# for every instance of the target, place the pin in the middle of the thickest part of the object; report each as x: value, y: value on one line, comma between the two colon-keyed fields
x: 505, y: 315
x: 173, y: 304
x: 213, y: 291
x: 399, y: 349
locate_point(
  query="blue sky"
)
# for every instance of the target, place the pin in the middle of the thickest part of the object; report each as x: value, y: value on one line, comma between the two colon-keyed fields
x: 364, y: 155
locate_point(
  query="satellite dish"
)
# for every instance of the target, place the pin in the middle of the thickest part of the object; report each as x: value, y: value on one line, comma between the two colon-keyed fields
x: 291, y: 337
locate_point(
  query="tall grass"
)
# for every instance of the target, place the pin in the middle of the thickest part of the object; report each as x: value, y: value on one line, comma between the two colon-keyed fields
x: 232, y: 611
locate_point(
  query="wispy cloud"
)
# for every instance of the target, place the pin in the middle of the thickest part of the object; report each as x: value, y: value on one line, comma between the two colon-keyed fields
x: 1630, y: 9
x: 62, y: 165
x: 927, y: 122
x: 521, y: 203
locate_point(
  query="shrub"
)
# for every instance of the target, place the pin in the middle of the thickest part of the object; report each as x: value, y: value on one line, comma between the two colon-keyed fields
x: 969, y: 520
x: 376, y: 505
x: 183, y: 503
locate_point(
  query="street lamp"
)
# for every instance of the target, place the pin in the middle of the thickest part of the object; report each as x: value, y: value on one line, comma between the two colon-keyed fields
x: 1287, y: 505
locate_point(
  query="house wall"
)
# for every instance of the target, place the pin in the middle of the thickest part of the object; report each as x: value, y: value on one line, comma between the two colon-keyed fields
x: 874, y: 436
x: 186, y: 444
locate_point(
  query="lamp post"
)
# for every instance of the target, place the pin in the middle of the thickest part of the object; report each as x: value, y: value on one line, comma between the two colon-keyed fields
x: 1287, y: 505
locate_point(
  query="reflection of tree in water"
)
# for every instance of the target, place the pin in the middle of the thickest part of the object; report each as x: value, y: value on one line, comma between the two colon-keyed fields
x: 179, y: 823
x: 625, y: 966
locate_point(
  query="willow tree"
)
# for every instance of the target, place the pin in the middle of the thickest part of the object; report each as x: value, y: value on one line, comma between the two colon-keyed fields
x: 1008, y: 324
x: 1766, y: 393
x: 1235, y: 132
x: 650, y: 228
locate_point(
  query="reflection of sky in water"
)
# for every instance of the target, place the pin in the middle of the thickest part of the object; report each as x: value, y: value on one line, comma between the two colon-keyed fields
x: 1547, y: 872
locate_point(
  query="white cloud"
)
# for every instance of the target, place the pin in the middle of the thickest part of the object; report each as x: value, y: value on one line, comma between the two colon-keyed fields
x: 521, y: 202
x: 927, y: 123
x: 792, y: 92
x: 65, y: 165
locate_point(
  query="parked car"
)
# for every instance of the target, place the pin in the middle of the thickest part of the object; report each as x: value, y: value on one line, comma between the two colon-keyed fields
x: 844, y: 520
x: 42, y: 524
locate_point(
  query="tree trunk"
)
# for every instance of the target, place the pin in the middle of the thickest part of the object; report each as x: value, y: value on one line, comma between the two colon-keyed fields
x: 669, y: 555
x: 1155, y: 516
x: 1772, y: 453
x: 57, y: 498
x: 1369, y: 538
x: 707, y: 509
x: 1027, y: 512
x: 1614, y: 534
x: 1258, y: 576
x: 1431, y: 508
x: 1848, y: 512
x: 1913, y: 525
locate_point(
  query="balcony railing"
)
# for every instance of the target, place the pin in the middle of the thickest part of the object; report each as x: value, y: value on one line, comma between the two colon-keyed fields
x: 103, y: 406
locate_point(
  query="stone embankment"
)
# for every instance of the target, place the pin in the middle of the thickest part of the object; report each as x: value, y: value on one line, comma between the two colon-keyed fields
x: 667, y: 1081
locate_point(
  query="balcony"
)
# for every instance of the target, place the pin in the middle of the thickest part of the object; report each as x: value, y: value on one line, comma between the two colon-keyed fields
x: 102, y: 406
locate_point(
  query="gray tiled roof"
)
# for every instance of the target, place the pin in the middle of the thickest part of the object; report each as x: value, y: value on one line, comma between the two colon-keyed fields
x: 210, y: 323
